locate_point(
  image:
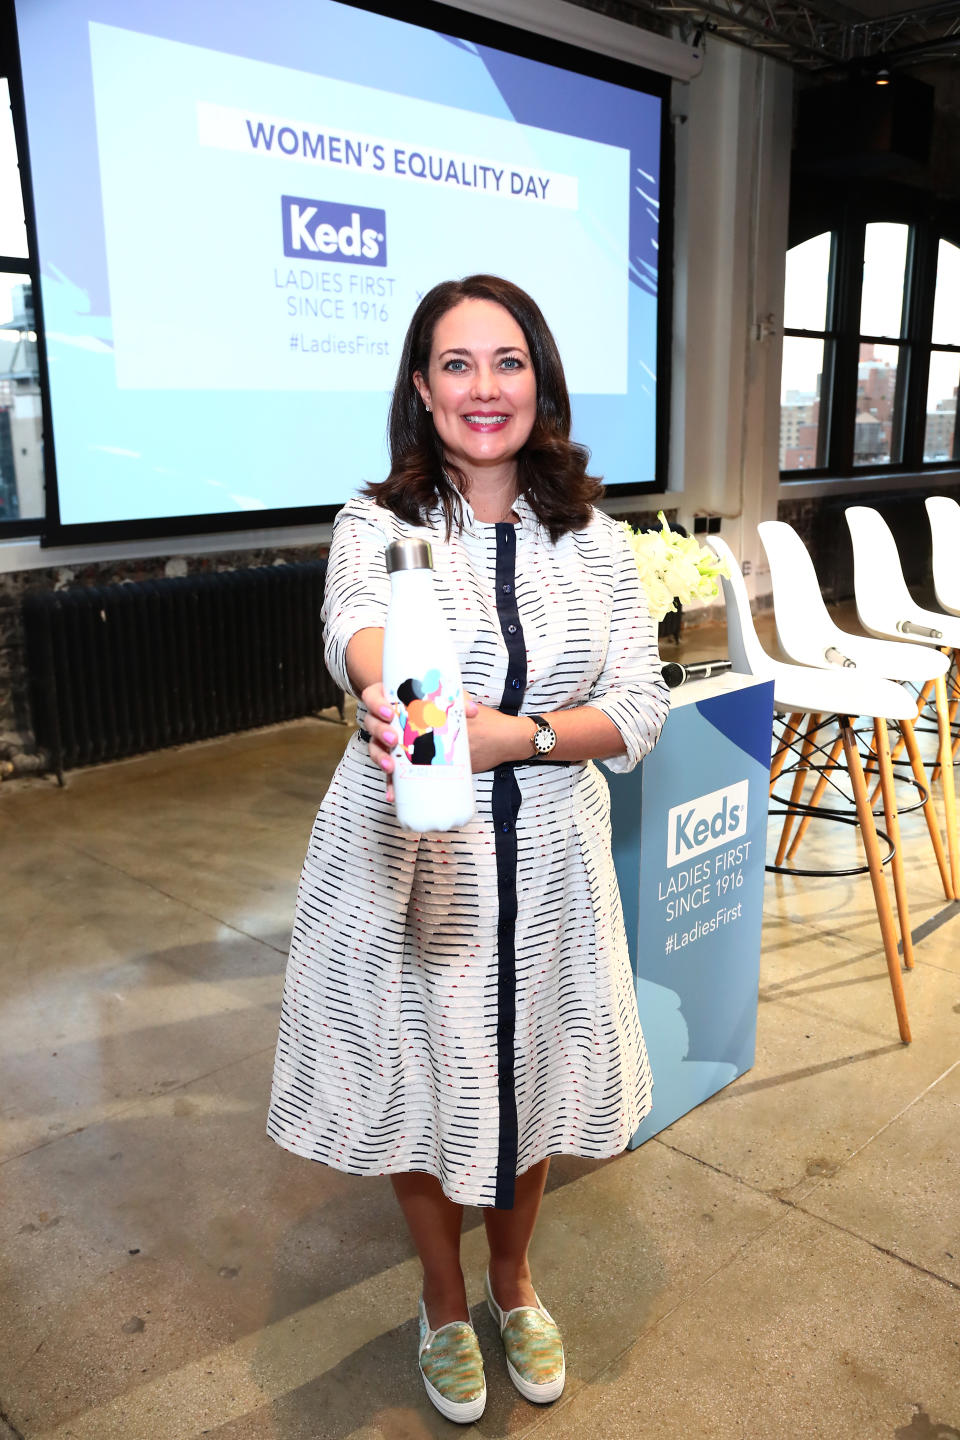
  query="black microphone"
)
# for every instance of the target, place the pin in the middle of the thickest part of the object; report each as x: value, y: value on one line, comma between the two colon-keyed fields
x: 676, y: 674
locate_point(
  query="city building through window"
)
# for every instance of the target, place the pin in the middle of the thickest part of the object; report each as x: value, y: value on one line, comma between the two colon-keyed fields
x: 871, y: 350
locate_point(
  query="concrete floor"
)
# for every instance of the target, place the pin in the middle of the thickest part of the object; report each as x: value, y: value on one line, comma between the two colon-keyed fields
x: 785, y: 1260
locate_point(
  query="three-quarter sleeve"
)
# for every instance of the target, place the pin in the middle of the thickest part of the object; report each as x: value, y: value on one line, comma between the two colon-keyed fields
x: 630, y: 688
x: 357, y: 587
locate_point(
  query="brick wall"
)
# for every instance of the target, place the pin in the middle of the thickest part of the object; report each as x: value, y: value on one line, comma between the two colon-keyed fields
x: 820, y: 524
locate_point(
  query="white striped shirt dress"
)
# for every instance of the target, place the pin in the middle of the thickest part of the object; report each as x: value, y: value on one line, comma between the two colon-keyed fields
x: 462, y: 1003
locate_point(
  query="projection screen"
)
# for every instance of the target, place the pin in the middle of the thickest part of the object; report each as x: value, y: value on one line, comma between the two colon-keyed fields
x: 238, y: 206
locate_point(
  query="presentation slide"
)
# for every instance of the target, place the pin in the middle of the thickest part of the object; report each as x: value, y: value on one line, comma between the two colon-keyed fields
x: 237, y: 216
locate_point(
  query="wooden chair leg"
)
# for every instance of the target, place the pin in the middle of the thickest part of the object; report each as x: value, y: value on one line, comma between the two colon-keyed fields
x: 872, y: 847
x: 783, y: 749
x: 935, y: 768
x: 815, y: 798
x: 892, y: 820
x: 799, y: 780
x: 953, y: 693
x: 922, y: 699
x: 929, y: 811
x: 947, y: 781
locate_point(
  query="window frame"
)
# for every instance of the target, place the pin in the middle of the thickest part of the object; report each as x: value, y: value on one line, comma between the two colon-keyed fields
x: 934, y: 347
x: 828, y: 336
x: 26, y: 265
x: 846, y: 220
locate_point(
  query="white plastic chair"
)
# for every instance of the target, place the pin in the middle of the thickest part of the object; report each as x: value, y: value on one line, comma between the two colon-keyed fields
x: 887, y: 610
x: 800, y: 690
x: 885, y: 606
x: 808, y: 634
x: 944, y: 516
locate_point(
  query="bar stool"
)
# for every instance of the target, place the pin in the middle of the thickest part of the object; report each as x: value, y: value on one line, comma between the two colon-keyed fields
x: 944, y: 517
x: 808, y: 634
x: 800, y: 690
x: 887, y: 610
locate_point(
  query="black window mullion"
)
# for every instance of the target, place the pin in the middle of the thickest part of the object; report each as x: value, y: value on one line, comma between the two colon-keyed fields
x: 827, y: 378
x: 922, y: 276
x: 846, y: 350
x: 898, y: 434
x: 826, y: 429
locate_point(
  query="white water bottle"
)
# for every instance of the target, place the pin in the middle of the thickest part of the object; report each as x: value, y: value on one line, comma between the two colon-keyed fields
x: 432, y: 778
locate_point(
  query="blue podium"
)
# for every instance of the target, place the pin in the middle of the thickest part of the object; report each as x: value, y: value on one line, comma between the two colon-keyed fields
x: 689, y: 835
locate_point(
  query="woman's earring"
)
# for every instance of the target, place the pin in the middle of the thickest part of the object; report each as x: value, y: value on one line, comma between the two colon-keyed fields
x: 426, y: 407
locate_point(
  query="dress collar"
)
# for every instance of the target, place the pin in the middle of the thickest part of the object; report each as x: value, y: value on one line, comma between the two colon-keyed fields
x: 472, y: 526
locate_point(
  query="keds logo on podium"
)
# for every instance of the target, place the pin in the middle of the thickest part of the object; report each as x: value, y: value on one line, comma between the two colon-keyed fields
x: 705, y: 823
x: 322, y: 230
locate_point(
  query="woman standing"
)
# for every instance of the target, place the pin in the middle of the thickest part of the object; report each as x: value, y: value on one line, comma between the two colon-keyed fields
x: 459, y: 1007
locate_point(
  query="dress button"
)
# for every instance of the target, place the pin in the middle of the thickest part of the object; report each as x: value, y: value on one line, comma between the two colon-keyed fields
x: 511, y: 629
x: 515, y: 684
x: 507, y: 589
x: 505, y: 827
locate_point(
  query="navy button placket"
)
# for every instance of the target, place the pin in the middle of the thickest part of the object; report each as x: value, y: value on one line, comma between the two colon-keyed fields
x: 506, y: 807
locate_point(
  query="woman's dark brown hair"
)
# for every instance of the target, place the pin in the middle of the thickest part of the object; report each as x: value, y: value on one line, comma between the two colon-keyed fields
x: 551, y: 468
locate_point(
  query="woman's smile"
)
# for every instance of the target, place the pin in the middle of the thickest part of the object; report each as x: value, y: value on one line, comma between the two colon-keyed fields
x: 480, y: 421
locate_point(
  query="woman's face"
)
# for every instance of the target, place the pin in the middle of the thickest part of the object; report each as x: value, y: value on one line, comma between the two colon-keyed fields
x: 480, y: 386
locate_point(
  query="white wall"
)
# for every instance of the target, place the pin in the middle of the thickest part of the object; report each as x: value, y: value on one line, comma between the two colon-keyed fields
x: 733, y: 176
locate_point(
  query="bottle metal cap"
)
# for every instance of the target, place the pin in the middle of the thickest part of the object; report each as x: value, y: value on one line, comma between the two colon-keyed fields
x: 409, y: 555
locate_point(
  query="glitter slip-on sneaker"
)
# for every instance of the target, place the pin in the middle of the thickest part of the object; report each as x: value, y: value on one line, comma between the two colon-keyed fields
x: 533, y: 1348
x: 452, y: 1368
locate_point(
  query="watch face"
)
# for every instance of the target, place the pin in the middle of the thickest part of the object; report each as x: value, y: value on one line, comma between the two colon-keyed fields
x: 544, y: 740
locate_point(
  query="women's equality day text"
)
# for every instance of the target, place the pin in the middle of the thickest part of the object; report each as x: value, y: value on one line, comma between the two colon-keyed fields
x: 225, y: 128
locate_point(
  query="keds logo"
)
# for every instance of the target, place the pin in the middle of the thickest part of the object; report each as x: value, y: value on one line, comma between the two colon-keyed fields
x: 321, y: 230
x: 704, y: 824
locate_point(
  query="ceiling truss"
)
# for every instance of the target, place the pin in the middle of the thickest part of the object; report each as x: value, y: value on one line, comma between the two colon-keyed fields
x: 814, y: 38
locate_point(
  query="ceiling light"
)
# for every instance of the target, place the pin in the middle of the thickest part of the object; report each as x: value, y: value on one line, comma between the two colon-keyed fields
x: 882, y: 77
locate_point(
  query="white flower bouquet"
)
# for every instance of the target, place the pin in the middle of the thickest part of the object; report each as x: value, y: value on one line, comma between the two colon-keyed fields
x: 673, y: 567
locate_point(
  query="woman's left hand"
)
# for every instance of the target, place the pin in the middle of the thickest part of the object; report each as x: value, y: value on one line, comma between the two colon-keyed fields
x: 495, y: 737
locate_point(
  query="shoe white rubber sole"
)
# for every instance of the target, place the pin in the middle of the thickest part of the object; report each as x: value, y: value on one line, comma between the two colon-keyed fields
x: 463, y: 1413
x: 539, y: 1394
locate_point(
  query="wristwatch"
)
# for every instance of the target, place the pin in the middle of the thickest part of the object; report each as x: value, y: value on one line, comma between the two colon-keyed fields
x: 544, y: 738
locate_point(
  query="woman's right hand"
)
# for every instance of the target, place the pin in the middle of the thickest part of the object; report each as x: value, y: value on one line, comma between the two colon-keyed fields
x: 382, y: 725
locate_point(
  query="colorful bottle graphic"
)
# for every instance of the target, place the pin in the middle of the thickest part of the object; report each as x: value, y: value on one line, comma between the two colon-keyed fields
x: 421, y: 675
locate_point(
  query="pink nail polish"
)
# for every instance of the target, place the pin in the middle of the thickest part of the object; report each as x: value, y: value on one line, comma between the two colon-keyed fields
x: 385, y: 712
x: 389, y: 738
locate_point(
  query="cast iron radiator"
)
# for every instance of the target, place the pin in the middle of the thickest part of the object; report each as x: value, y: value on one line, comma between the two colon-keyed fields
x: 118, y: 669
